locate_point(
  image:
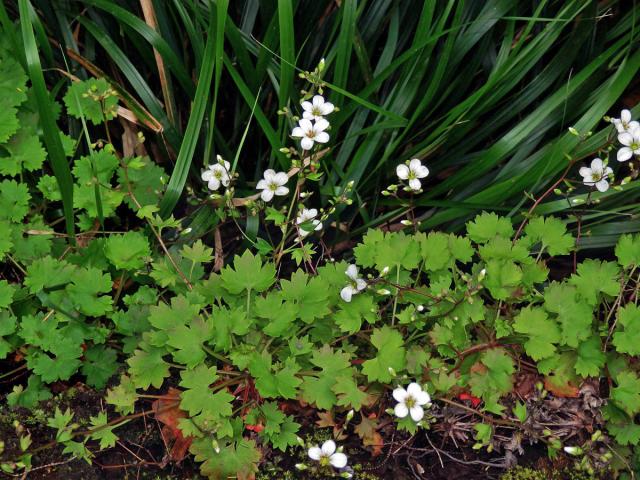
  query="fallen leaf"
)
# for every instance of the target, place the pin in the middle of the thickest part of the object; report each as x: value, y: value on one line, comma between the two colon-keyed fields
x: 167, y: 411
x: 326, y: 419
x: 565, y: 390
x: 255, y: 428
x: 475, y: 401
x: 366, y: 430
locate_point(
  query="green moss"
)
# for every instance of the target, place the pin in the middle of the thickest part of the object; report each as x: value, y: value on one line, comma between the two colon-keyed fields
x: 525, y: 473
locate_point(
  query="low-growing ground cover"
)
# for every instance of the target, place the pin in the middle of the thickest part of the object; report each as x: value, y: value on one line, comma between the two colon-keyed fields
x: 286, y: 307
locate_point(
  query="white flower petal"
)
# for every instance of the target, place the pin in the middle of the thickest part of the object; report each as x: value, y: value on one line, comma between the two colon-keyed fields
x: 326, y: 108
x: 305, y: 124
x: 281, y: 191
x: 338, y: 460
x: 328, y: 448
x: 352, y: 272
x: 320, y: 125
x: 360, y: 284
x: 346, y: 293
x: 414, y: 164
x: 624, y: 154
x: 214, y: 184
x: 307, y: 106
x: 402, y: 171
x: 422, y: 398
x: 602, y: 185
x: 414, y: 389
x: 415, y: 184
x: 322, y: 137
x: 585, y: 172
x: 315, y: 453
x: 417, y: 413
x: 401, y: 410
x: 306, y: 143
x: 297, y: 132
x: 618, y: 124
x: 596, y: 164
x: 312, y: 212
x: 308, y: 116
x: 262, y: 184
x: 280, y: 178
x: 625, y: 116
x: 317, y: 224
x: 317, y: 100
x: 207, y: 175
x: 400, y: 394
x: 266, y: 195
x: 421, y: 172
x: 625, y: 138
x: 269, y: 174
x: 225, y: 180
x: 633, y: 126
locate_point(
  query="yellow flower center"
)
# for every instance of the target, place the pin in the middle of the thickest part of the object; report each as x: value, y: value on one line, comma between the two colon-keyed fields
x: 410, y: 402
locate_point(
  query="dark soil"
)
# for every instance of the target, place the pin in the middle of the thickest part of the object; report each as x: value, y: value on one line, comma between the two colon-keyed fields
x: 141, y: 452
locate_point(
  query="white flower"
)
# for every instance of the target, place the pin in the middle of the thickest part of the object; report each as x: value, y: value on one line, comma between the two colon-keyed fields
x: 631, y: 142
x: 273, y: 184
x: 327, y: 455
x: 413, y: 172
x: 356, y: 285
x: 317, y: 108
x: 411, y: 401
x: 308, y: 216
x: 596, y: 175
x: 217, y: 174
x: 311, y: 132
x: 624, y: 123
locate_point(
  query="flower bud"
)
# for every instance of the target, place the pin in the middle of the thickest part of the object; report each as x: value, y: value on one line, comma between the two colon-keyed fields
x: 483, y: 273
x: 350, y: 415
x: 383, y: 291
x: 392, y: 372
x: 575, y: 451
x: 573, y: 131
x: 301, y: 466
x: 406, y: 223
x: 215, y: 445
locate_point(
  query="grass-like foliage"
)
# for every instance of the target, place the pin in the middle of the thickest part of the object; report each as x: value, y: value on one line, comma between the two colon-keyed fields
x: 483, y: 91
